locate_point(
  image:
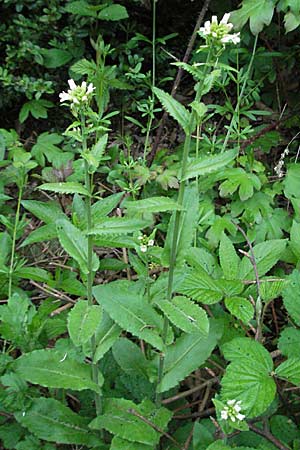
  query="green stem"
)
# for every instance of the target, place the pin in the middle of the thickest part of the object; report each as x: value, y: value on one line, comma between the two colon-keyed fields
x: 90, y: 275
x: 14, y: 239
x: 176, y: 234
x: 237, y: 108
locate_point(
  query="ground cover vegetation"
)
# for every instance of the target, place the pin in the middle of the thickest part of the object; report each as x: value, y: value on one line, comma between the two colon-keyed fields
x: 149, y: 225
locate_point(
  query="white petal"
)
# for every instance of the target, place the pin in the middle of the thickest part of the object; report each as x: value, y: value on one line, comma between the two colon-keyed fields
x: 143, y: 248
x: 150, y: 242
x: 75, y: 100
x: 224, y: 414
x: 84, y: 98
x: 64, y: 96
x: 240, y: 416
x: 90, y: 88
x: 225, y: 18
x: 83, y: 85
x: 72, y: 84
x: 214, y: 19
x: 231, y: 402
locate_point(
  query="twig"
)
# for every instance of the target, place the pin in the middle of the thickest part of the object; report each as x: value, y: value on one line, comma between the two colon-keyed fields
x: 178, y: 78
x: 208, y: 412
x: 190, y: 391
x: 61, y: 309
x: 54, y: 292
x: 267, y: 435
x: 155, y: 427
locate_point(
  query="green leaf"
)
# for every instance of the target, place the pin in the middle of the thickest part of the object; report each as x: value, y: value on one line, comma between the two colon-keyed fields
x: 188, y: 353
x: 284, y: 429
x: 152, y: 205
x: 48, y: 212
x: 291, y: 21
x: 83, y: 320
x: 65, y: 188
x: 295, y: 239
x: 260, y: 13
x: 37, y: 108
x: 122, y: 444
x: 75, y: 244
x: 229, y: 260
x: 201, y: 287
x: 55, y: 57
x: 41, y: 234
x: 291, y: 296
x: 289, y: 342
x: 292, y: 181
x: 185, y: 314
x: 104, y: 206
x: 130, y: 310
x: 81, y: 8
x: 33, y: 273
x: 53, y: 369
x: 174, y: 108
x: 241, y: 308
x: 118, y: 420
x: 266, y: 256
x: 52, y: 421
x: 113, y: 12
x: 248, y: 378
x: 94, y: 156
x: 209, y: 164
x: 290, y: 370
x: 46, y: 147
x: 130, y: 358
x: 106, y: 335
x: 118, y: 225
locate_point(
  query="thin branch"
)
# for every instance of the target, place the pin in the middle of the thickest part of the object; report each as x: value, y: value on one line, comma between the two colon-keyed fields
x: 190, y: 391
x: 267, y: 435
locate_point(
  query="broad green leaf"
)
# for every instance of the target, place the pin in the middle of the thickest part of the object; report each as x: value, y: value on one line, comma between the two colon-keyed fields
x: 187, y: 226
x: 104, y: 206
x: 41, y: 234
x: 289, y: 370
x: 106, y: 335
x: 122, y: 444
x: 81, y: 8
x: 270, y: 289
x: 174, y: 108
x: 241, y: 349
x: 238, y: 179
x: 284, y: 429
x: 218, y: 445
x: 114, y: 241
x: 292, y: 181
x: 55, y: 57
x: 185, y: 314
x: 130, y: 357
x: 199, y: 257
x: 113, y: 12
x: 260, y: 13
x: 75, y: 244
x: 65, y: 188
x: 118, y: 420
x: 240, y: 307
x: 229, y: 259
x: 208, y: 164
x: 295, y: 239
x: 46, y: 146
x: 152, y: 205
x: 291, y: 296
x: 83, y: 320
x: 118, y: 225
x: 53, y: 369
x: 289, y: 342
x: 130, y: 311
x: 266, y: 256
x: 201, y: 287
x: 33, y: 273
x: 52, y: 421
x: 48, y: 212
x: 188, y: 353
x: 291, y: 21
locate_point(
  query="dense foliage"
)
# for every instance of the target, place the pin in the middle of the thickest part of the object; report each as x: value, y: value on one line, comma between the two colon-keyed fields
x: 149, y: 225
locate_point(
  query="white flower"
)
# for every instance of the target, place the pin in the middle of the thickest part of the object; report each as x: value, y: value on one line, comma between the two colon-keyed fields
x: 220, y: 31
x: 150, y: 243
x: 77, y: 95
x: 232, y: 411
x: 143, y: 248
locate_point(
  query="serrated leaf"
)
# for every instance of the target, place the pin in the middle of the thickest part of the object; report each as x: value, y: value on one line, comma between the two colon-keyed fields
x: 106, y: 335
x: 240, y: 307
x: 53, y: 369
x: 291, y: 296
x: 81, y: 8
x: 289, y: 342
x: 201, y: 287
x: 185, y: 314
x: 152, y: 205
x: 174, y: 108
x: 41, y: 234
x: 229, y: 259
x: 295, y: 238
x: 33, y: 273
x: 84, y: 67
x: 130, y: 311
x: 209, y: 164
x: 48, y: 212
x: 292, y: 181
x: 55, y: 57
x: 75, y: 244
x: 52, y: 421
x: 113, y: 12
x: 104, y: 206
x: 130, y: 358
x: 83, y: 320
x: 187, y: 354
x: 65, y: 188
x: 266, y: 256
x: 260, y: 13
x: 118, y: 420
x: 122, y: 444
x: 241, y: 349
x: 284, y: 429
x: 118, y: 225
x: 289, y: 370
x: 270, y: 289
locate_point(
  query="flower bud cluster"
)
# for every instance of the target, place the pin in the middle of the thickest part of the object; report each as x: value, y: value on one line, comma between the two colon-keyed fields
x: 77, y: 95
x: 215, y: 32
x: 145, y: 242
x: 278, y: 168
x: 232, y: 411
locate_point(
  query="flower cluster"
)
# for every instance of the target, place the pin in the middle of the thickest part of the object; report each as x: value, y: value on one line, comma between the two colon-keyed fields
x: 219, y: 32
x: 77, y: 95
x: 145, y: 242
x: 280, y: 164
x: 232, y: 411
